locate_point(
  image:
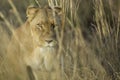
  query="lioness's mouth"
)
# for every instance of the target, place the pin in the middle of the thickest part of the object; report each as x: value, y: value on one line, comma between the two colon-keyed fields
x: 48, y: 46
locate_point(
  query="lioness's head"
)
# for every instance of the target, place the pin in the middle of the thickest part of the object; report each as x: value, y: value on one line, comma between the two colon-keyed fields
x: 43, y: 22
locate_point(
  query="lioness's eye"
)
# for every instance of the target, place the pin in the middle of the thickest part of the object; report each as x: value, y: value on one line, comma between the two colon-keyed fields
x: 53, y: 26
x: 39, y: 26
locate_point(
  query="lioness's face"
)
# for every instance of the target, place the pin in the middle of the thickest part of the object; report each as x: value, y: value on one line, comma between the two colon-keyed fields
x: 42, y: 24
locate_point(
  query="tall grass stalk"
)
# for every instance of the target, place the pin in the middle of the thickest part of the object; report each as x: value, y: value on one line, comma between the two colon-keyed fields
x: 15, y: 12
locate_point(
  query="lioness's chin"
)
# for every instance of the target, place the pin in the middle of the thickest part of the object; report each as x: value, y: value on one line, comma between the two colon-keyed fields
x: 48, y: 51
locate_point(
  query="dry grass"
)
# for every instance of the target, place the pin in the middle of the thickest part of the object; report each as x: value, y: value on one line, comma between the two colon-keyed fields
x: 89, y: 41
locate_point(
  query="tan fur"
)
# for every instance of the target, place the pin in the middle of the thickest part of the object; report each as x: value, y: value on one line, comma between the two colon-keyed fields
x: 35, y: 42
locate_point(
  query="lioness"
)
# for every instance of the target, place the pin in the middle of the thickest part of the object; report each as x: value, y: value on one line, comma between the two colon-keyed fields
x: 35, y: 42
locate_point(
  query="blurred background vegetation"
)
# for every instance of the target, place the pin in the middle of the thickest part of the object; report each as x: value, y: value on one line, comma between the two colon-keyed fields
x: 90, y: 38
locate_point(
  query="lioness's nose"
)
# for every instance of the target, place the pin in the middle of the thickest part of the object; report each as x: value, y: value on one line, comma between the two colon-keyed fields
x: 49, y: 41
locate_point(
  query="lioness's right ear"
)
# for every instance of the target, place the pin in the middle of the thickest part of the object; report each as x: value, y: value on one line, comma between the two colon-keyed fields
x: 31, y: 11
x: 58, y: 10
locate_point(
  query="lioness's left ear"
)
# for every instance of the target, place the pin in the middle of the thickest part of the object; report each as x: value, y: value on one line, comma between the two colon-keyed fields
x: 58, y: 10
x: 31, y: 11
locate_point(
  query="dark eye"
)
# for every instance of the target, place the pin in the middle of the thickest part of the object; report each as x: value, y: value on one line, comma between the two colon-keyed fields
x: 53, y: 26
x: 39, y: 26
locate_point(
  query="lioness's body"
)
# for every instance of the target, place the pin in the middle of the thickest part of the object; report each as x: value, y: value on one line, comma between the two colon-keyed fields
x: 34, y: 44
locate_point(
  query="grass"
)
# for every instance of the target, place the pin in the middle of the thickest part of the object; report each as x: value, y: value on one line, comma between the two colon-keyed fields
x: 89, y: 39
